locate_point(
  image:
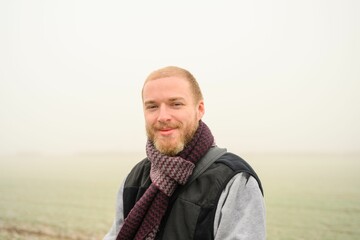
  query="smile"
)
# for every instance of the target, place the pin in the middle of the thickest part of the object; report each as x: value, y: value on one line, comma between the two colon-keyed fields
x: 166, y: 131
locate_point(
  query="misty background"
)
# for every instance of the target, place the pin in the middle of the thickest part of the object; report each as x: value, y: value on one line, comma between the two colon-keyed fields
x: 278, y: 76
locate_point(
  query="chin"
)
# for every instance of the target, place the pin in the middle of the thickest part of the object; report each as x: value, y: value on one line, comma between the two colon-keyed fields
x: 169, y: 150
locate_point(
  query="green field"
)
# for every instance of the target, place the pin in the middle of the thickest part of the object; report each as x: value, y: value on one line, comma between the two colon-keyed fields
x: 308, y: 196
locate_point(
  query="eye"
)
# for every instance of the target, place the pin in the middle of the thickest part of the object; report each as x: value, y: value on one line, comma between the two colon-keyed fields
x: 151, y: 106
x: 177, y: 104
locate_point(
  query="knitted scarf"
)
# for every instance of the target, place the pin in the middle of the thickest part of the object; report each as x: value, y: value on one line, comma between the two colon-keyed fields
x: 166, y: 173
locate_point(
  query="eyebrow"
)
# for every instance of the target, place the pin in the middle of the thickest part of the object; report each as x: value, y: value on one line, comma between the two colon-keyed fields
x: 169, y: 100
x: 149, y: 102
x: 176, y: 99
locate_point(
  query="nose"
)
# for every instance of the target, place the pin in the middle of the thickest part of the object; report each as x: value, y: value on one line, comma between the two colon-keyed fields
x: 164, y: 114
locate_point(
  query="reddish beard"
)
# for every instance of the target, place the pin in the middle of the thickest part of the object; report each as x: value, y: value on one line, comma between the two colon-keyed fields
x: 168, y: 147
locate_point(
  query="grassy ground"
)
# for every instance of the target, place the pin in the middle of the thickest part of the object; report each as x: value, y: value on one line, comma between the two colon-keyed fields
x: 308, y: 196
x: 312, y: 196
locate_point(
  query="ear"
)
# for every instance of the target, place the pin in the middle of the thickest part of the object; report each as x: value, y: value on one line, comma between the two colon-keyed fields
x: 200, y: 110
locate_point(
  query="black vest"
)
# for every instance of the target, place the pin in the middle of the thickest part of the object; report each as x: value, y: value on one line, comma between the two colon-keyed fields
x: 192, y: 207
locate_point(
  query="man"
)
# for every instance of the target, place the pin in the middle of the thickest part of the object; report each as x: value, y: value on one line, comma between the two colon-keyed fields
x: 186, y: 188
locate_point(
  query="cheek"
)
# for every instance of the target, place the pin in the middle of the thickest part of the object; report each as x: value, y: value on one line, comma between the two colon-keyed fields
x: 148, y: 119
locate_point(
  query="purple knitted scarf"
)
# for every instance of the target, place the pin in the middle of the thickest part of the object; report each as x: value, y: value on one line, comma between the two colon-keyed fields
x: 166, y: 173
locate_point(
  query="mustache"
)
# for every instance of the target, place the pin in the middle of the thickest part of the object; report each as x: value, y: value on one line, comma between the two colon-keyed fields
x: 165, y: 125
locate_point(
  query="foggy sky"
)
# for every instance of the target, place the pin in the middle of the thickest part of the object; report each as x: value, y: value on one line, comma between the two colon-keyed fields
x: 276, y: 75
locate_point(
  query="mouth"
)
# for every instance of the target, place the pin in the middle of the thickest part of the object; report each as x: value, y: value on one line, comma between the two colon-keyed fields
x: 166, y: 131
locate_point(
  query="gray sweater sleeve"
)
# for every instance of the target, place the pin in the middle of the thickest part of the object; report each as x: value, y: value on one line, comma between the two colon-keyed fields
x: 240, y: 212
x: 119, y: 216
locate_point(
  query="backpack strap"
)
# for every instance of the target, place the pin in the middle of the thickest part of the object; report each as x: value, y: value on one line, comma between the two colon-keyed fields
x: 202, y: 164
x: 209, y: 158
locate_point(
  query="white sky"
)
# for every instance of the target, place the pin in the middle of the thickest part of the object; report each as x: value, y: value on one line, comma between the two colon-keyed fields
x: 276, y: 75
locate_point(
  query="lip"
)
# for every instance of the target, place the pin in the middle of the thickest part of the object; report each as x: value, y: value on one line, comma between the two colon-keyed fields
x: 166, y: 131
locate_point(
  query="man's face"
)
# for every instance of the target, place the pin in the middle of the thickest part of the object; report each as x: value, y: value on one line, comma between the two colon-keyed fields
x: 171, y: 113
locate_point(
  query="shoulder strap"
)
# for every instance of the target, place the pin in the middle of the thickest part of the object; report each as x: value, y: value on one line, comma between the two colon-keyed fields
x: 209, y: 158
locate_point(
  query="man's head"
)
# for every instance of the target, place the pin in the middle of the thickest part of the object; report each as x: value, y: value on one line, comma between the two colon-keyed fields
x: 173, y: 105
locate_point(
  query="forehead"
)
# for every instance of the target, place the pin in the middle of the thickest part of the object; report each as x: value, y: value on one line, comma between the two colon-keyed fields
x: 168, y: 87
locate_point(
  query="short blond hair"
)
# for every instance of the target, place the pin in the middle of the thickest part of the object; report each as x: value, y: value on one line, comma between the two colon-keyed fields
x: 172, y: 71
